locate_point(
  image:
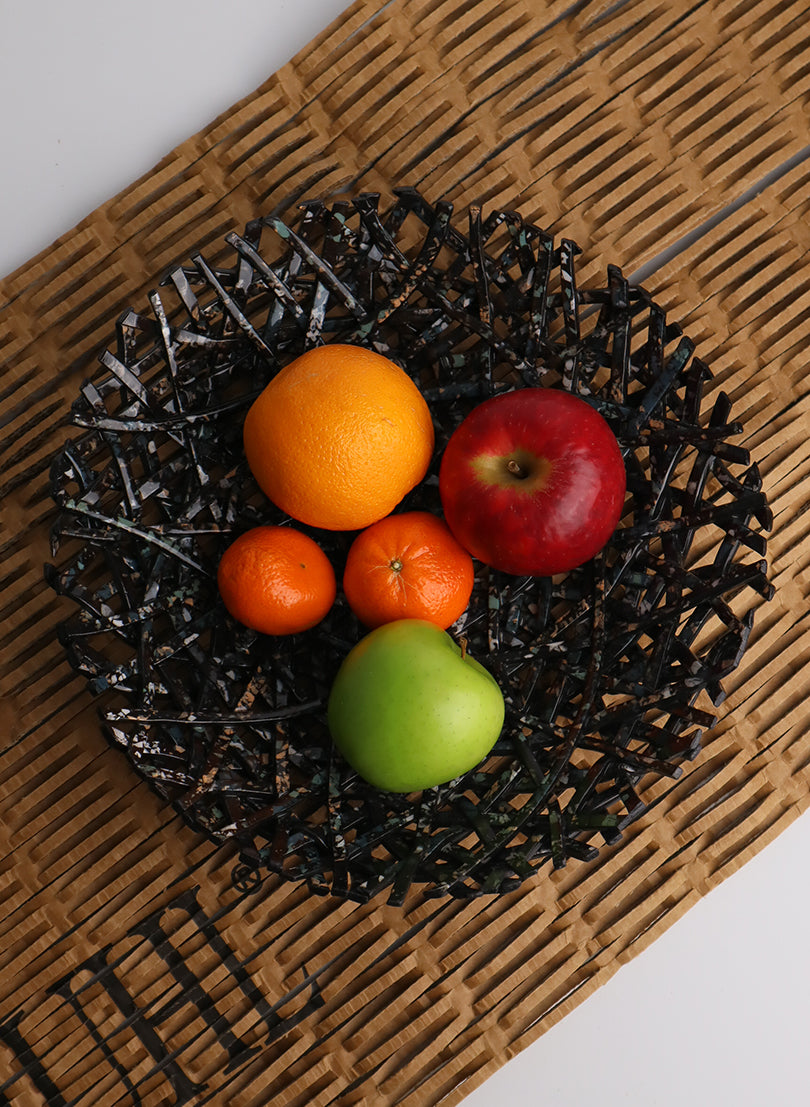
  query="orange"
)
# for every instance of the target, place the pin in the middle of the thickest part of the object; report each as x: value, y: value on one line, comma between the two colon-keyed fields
x: 276, y: 580
x: 338, y: 437
x: 408, y: 566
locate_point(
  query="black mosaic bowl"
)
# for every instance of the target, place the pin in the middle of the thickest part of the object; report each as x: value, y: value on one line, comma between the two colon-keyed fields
x: 611, y: 673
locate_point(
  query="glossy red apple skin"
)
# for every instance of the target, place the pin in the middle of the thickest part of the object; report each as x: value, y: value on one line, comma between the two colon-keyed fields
x: 533, y: 482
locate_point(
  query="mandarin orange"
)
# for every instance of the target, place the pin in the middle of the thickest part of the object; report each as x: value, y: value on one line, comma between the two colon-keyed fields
x: 276, y: 580
x: 338, y: 437
x: 408, y: 566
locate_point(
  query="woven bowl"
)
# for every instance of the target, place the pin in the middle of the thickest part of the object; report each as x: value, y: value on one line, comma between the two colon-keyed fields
x: 611, y: 673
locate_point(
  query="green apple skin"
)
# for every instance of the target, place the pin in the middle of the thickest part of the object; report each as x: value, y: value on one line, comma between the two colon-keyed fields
x: 409, y: 710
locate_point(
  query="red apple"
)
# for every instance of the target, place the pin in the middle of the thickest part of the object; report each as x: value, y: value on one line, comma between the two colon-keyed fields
x: 532, y: 482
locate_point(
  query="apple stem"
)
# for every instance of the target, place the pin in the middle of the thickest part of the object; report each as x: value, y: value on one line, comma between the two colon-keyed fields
x: 463, y: 643
x: 515, y: 468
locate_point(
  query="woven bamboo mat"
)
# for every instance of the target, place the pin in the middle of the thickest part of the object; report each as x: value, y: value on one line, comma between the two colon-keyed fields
x: 669, y: 138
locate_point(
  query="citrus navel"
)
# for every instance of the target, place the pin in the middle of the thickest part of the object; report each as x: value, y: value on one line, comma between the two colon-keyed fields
x: 408, y: 566
x: 276, y: 580
x: 338, y: 437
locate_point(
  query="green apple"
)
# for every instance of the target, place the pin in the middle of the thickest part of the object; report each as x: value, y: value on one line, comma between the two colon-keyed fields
x: 410, y: 709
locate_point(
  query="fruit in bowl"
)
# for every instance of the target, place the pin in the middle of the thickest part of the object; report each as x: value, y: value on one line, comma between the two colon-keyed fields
x: 276, y: 580
x: 411, y: 709
x: 532, y: 482
x: 408, y: 566
x: 339, y: 437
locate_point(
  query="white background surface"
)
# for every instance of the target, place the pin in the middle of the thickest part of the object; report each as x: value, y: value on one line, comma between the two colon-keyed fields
x: 716, y: 1011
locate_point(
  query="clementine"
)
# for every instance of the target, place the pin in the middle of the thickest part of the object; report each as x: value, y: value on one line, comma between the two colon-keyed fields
x: 408, y: 566
x: 338, y: 437
x: 276, y: 580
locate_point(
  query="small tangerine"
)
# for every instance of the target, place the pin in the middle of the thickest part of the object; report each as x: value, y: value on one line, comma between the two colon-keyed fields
x: 276, y: 580
x: 408, y: 566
